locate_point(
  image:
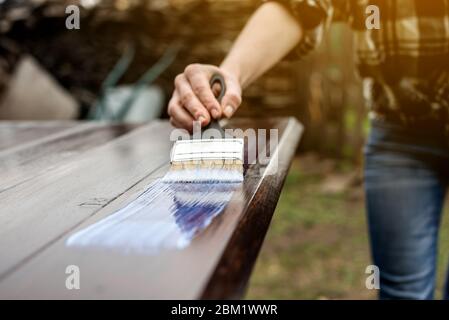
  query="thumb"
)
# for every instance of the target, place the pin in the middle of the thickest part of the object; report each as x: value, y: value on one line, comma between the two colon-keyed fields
x: 232, y: 98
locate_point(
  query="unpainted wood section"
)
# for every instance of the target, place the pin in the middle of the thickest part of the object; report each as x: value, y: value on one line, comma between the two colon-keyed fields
x: 37, y: 213
x: 13, y: 133
x: 26, y: 163
x: 180, y: 274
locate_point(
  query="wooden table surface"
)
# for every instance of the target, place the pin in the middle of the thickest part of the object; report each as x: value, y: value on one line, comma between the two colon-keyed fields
x: 58, y: 177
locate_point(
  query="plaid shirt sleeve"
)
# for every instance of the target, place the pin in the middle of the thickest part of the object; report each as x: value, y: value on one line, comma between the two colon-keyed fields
x: 314, y: 16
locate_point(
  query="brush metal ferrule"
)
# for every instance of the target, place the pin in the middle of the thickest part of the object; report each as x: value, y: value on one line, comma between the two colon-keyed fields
x: 207, y: 149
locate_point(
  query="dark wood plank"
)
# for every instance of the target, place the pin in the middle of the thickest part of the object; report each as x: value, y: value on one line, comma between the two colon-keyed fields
x: 232, y: 273
x: 200, y: 270
x: 36, y: 213
x: 26, y: 161
x: 14, y: 133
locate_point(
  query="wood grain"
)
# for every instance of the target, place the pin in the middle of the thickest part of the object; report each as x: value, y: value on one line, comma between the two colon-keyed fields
x: 29, y: 160
x: 36, y: 213
x: 216, y: 265
x: 14, y: 133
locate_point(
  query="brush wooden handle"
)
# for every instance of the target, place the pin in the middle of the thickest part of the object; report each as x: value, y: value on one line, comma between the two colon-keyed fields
x: 215, y: 125
x: 217, y: 78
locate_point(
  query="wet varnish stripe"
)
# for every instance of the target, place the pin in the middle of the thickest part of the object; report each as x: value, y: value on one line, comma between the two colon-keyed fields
x: 166, y: 216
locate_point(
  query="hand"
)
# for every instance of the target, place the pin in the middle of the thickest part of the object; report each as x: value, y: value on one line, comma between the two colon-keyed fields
x: 194, y: 100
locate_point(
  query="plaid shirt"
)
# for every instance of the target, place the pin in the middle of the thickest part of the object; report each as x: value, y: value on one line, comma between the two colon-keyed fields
x: 405, y: 63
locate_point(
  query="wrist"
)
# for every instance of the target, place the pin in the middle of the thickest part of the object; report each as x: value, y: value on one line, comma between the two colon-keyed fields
x: 233, y: 70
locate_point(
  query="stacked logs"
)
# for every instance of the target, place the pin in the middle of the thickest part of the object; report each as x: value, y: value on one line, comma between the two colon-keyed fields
x: 81, y: 59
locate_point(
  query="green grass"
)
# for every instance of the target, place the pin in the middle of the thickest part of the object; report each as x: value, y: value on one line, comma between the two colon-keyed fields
x: 317, y: 245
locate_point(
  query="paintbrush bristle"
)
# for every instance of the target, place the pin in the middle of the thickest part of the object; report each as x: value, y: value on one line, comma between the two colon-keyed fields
x: 210, y: 170
x: 206, y: 160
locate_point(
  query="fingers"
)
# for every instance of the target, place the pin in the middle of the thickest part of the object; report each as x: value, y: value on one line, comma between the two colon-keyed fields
x: 179, y: 117
x: 190, y: 101
x: 198, y: 78
x: 194, y: 99
x: 233, y: 97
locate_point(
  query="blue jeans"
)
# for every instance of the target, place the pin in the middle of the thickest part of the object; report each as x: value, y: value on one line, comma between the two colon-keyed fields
x: 406, y: 178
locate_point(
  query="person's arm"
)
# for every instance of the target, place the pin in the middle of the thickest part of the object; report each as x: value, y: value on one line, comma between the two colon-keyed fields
x: 268, y: 36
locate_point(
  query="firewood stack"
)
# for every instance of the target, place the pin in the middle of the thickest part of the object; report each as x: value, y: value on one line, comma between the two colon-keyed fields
x: 81, y: 59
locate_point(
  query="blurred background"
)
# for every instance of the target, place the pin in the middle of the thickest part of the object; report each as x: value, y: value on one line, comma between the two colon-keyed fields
x: 120, y: 65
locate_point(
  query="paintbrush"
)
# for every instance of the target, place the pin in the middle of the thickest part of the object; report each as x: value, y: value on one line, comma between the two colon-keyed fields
x: 207, y: 160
